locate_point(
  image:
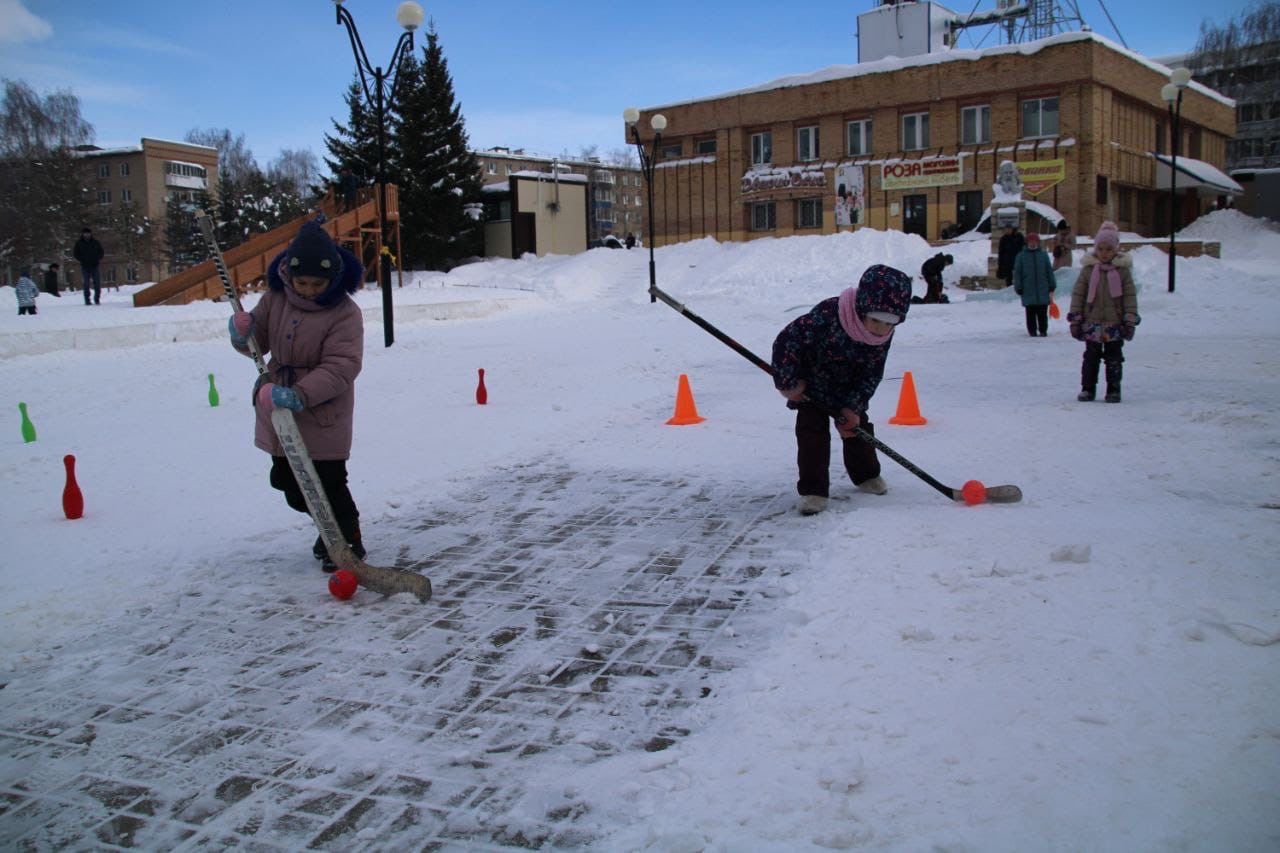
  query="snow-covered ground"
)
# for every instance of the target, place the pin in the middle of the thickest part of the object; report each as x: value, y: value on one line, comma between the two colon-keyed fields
x: 1096, y: 668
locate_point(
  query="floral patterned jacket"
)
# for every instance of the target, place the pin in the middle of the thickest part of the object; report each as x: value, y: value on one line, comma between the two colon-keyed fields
x: 838, y: 371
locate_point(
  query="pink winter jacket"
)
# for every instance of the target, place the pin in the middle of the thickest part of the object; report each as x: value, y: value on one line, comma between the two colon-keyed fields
x: 317, y: 351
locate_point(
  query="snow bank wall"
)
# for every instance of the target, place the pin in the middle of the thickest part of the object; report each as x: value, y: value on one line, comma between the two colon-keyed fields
x: 183, y: 331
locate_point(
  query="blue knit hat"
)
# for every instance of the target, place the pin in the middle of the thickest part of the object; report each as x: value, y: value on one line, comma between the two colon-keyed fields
x: 884, y: 290
x: 313, y: 252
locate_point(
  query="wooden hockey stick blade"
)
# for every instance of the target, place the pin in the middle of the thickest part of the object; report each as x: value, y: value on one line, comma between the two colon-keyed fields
x: 995, y: 495
x: 382, y: 580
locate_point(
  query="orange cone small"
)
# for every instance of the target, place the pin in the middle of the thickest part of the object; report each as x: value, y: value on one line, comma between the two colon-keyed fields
x: 908, y: 408
x: 686, y: 411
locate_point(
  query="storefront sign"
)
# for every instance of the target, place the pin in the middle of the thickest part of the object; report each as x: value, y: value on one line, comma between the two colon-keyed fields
x: 915, y: 174
x: 772, y: 180
x: 1039, y: 175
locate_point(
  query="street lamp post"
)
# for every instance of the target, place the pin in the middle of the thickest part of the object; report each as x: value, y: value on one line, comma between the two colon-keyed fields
x: 383, y: 93
x: 1172, y: 91
x: 647, y: 159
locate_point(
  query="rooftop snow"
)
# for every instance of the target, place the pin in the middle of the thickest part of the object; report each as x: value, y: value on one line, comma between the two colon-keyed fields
x: 893, y: 63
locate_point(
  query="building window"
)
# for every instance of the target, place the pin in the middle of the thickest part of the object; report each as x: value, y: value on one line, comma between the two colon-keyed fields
x: 807, y: 144
x: 131, y: 273
x: 1040, y: 117
x: 672, y: 151
x: 104, y: 196
x: 508, y: 168
x: 1248, y: 112
x: 915, y: 131
x: 491, y: 168
x: 126, y: 195
x: 111, y: 275
x: 124, y: 170
x: 809, y: 213
x: 705, y: 146
x: 104, y: 170
x: 975, y: 125
x: 764, y: 216
x: 761, y: 148
x: 858, y: 137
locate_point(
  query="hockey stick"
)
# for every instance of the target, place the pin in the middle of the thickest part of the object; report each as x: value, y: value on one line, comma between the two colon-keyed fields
x: 381, y: 580
x: 994, y: 494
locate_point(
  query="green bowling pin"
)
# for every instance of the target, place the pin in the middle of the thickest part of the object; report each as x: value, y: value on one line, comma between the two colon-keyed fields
x: 28, y: 428
x: 213, y: 392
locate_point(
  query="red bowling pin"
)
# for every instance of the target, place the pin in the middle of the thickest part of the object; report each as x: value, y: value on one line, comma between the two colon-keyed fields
x: 482, y: 395
x: 72, y: 499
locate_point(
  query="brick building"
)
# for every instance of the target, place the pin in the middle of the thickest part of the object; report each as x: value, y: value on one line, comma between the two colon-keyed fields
x: 138, y: 181
x: 914, y: 144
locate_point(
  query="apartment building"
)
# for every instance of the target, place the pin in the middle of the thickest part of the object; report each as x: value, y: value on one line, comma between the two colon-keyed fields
x: 137, y: 181
x: 1249, y: 74
x: 615, y: 192
x: 915, y: 144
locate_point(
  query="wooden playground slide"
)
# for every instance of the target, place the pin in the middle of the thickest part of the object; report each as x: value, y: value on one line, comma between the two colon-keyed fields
x: 357, y: 229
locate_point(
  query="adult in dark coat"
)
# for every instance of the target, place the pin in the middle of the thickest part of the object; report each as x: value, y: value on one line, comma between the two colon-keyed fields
x: 51, y: 280
x: 1010, y: 245
x: 88, y: 252
x: 932, y: 272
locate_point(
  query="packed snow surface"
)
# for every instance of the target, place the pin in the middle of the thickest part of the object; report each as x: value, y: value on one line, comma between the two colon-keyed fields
x: 1094, y: 668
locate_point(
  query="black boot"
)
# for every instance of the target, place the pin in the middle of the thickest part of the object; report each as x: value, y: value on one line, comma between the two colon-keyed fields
x: 1088, y: 377
x: 353, y: 541
x: 1114, y: 373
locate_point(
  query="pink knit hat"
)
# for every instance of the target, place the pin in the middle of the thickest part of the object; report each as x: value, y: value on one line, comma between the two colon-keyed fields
x: 1108, y: 235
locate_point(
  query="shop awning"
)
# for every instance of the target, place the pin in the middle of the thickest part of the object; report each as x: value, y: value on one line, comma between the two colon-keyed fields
x: 1195, y: 174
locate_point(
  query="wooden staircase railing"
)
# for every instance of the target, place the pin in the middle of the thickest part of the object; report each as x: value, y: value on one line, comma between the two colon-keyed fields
x: 357, y: 229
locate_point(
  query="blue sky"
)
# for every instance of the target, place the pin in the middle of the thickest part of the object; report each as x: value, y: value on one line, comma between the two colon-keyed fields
x: 546, y: 76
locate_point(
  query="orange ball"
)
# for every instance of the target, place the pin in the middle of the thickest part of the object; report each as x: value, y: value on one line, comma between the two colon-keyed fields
x: 342, y: 584
x: 973, y: 492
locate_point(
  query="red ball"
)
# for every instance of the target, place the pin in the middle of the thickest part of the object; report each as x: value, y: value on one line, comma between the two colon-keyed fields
x: 973, y: 492
x: 342, y: 584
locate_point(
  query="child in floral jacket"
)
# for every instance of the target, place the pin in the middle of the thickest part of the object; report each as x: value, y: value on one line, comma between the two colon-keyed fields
x: 828, y: 363
x: 1104, y: 312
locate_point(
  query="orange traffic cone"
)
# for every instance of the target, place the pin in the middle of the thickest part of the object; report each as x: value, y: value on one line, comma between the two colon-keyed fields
x: 686, y: 412
x: 908, y: 408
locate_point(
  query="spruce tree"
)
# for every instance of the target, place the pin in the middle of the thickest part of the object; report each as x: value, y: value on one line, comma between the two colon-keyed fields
x: 355, y: 144
x: 439, y: 176
x: 183, y: 245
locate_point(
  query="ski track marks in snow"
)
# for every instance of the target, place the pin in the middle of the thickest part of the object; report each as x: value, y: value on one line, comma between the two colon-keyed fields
x: 570, y: 607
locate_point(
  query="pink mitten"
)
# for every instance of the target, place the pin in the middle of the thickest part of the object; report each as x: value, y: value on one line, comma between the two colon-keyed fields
x: 243, y: 322
x: 264, y: 396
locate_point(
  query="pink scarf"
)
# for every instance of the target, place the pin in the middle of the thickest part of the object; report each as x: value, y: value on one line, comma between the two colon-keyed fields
x: 1113, y: 280
x: 852, y: 323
